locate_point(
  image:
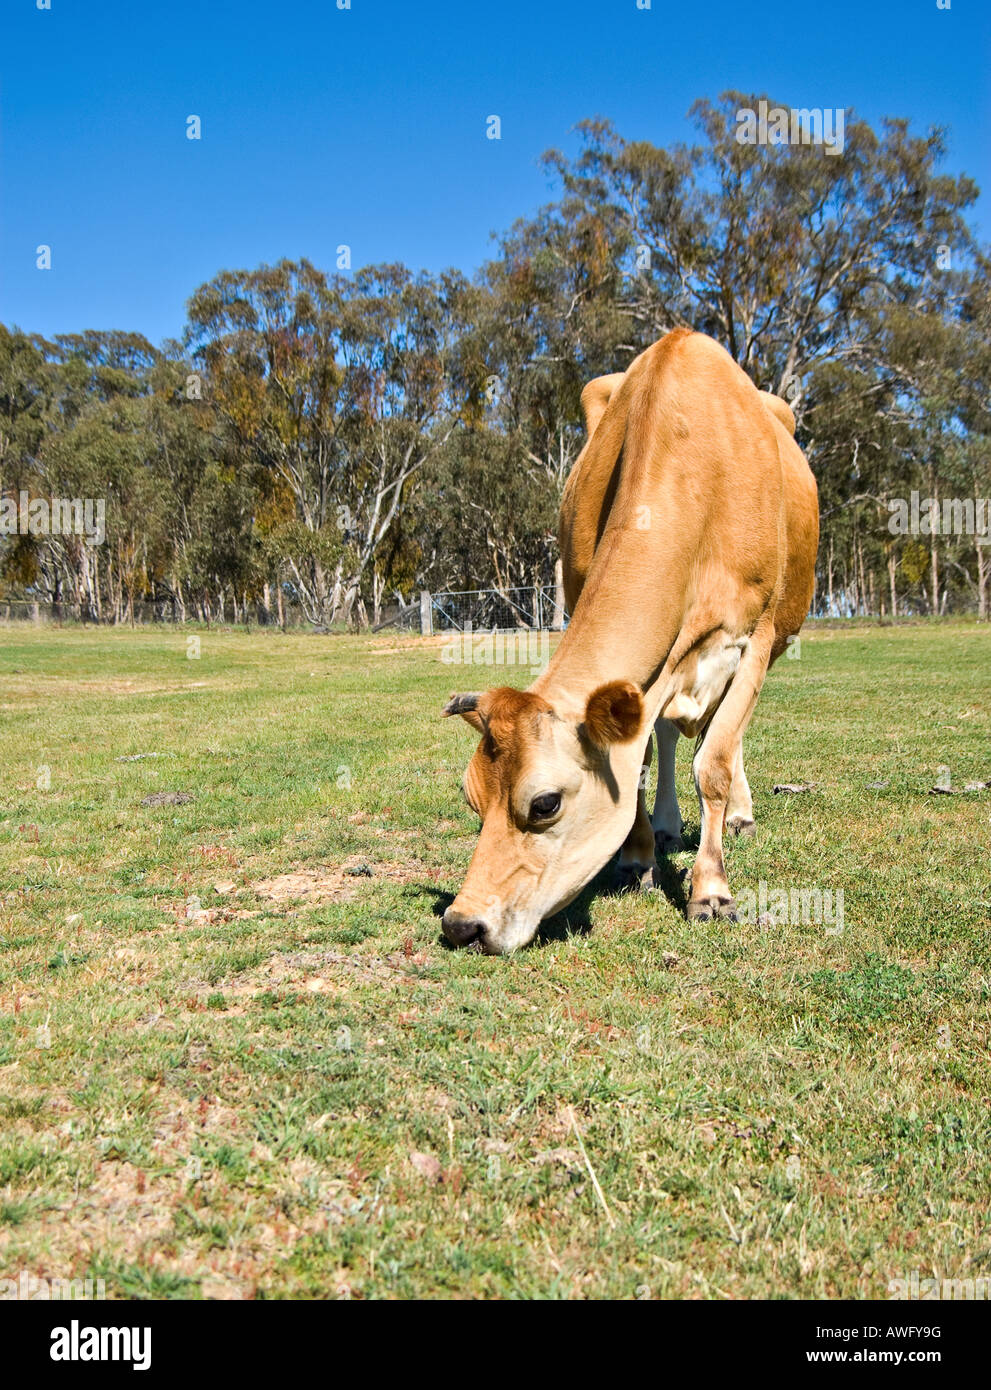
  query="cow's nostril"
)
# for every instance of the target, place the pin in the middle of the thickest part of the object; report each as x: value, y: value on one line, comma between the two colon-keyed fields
x: 462, y: 930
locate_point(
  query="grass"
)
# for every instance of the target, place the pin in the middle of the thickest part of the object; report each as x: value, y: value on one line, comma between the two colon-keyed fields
x: 236, y: 1059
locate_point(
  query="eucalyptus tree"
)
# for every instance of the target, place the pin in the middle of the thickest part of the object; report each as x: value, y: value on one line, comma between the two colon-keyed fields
x: 267, y: 344
x: 773, y: 249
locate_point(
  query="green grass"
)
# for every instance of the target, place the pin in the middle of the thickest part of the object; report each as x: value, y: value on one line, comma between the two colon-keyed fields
x: 218, y: 1092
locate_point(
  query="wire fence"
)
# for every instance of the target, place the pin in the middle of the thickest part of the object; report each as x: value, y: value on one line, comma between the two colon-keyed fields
x: 539, y: 608
x: 142, y: 613
x: 536, y: 608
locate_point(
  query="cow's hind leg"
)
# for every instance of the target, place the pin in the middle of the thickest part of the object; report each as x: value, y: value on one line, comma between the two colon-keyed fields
x: 666, y: 819
x: 636, y: 858
x: 740, y: 806
x: 714, y: 767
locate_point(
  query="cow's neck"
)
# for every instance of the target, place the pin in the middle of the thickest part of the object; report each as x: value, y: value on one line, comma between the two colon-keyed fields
x: 622, y: 628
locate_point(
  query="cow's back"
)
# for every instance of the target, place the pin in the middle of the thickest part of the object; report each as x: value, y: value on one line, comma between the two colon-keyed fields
x: 591, y: 485
x: 721, y: 445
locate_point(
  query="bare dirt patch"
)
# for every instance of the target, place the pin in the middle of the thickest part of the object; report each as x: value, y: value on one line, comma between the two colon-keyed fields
x: 324, y: 884
x: 316, y: 972
x: 313, y: 885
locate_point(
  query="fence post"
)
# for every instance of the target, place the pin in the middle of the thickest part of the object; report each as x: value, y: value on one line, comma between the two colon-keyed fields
x: 426, y: 614
x: 557, y: 621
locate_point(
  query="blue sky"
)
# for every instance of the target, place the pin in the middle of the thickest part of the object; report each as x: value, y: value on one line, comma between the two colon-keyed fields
x: 367, y: 126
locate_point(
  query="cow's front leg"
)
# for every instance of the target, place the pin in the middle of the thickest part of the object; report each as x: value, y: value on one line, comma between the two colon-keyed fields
x: 636, y: 858
x: 666, y: 820
x: 740, y: 806
x: 714, y: 767
x: 711, y: 896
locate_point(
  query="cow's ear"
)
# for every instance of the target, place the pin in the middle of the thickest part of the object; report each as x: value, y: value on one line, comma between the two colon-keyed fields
x: 467, y: 707
x: 614, y: 713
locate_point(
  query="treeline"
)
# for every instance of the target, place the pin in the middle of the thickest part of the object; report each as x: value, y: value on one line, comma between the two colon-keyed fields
x: 336, y: 442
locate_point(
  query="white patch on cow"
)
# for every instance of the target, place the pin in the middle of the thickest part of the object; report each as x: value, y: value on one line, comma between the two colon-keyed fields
x: 704, y: 687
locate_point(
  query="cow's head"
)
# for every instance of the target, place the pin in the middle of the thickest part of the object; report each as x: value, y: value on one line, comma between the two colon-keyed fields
x: 556, y: 797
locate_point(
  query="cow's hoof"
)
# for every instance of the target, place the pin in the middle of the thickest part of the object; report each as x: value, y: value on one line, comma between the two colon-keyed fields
x: 666, y: 844
x: 635, y: 878
x: 705, y: 909
x: 742, y: 828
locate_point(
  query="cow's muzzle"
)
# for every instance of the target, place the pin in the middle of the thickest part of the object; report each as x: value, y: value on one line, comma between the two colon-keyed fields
x: 462, y: 930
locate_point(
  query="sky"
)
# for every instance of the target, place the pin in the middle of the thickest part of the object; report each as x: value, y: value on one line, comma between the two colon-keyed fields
x: 367, y: 126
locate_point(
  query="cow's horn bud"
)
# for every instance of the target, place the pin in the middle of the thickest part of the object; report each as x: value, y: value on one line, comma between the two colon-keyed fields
x: 462, y: 704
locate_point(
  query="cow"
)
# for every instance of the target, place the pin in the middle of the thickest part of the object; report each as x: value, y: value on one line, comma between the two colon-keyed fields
x: 688, y: 533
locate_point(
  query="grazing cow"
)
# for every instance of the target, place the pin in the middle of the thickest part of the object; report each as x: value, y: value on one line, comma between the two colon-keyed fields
x: 689, y: 529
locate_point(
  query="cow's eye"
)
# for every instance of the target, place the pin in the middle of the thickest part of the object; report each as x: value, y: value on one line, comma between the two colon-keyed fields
x: 543, y: 807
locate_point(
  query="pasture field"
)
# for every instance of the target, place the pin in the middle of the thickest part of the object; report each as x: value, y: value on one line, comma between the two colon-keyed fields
x: 238, y: 1060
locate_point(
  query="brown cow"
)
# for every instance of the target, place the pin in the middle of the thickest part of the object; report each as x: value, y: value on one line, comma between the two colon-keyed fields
x: 689, y: 529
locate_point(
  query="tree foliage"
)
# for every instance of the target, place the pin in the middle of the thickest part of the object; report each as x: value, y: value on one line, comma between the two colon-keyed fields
x: 334, y: 442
